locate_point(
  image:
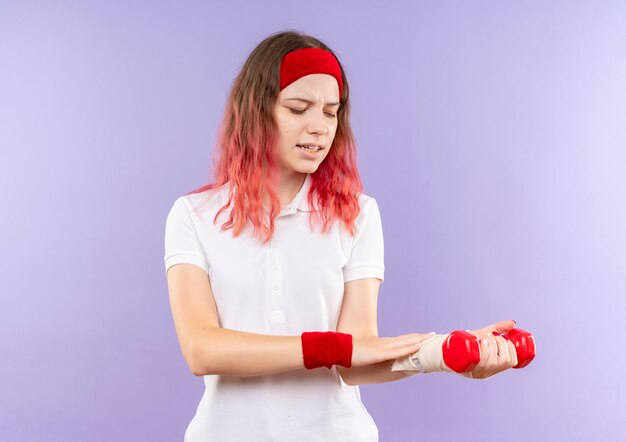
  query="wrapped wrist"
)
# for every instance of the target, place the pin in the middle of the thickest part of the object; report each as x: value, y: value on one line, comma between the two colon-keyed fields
x: 428, y: 359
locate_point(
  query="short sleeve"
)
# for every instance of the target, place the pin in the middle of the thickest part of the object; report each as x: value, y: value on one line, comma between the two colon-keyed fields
x: 367, y: 253
x: 181, y: 241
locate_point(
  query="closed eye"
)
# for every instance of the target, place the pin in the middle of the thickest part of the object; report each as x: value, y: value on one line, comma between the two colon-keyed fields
x: 298, y: 112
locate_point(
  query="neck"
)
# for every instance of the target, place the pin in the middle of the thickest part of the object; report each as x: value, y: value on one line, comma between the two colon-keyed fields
x: 288, y: 187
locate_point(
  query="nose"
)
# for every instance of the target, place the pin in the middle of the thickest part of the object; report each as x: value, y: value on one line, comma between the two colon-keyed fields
x: 318, y: 125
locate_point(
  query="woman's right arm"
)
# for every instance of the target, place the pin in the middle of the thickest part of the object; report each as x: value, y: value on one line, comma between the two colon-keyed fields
x: 209, y: 349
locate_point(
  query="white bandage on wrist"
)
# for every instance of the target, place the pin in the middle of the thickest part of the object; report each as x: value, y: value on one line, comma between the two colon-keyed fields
x: 428, y: 359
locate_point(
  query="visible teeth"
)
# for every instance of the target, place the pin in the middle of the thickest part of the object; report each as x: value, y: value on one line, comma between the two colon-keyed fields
x: 309, y: 147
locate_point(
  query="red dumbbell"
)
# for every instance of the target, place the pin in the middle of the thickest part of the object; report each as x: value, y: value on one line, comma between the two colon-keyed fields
x: 461, y: 349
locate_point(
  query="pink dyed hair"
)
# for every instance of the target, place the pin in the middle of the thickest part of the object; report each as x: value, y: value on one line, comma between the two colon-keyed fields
x: 245, y: 152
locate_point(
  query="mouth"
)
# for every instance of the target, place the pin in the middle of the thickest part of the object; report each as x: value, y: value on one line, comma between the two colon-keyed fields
x: 310, y: 147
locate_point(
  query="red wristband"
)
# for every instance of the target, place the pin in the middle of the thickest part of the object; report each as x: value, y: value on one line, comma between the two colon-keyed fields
x: 325, y: 349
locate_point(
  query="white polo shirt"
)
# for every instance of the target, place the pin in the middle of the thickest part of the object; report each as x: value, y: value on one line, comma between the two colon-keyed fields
x: 293, y: 284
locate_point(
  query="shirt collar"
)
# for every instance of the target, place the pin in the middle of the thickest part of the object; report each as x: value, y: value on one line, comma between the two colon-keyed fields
x: 299, y: 202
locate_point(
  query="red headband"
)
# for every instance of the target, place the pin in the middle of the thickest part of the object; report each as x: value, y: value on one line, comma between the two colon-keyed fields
x: 306, y: 61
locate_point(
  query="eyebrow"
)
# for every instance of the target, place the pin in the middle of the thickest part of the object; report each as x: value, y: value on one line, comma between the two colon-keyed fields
x: 310, y: 102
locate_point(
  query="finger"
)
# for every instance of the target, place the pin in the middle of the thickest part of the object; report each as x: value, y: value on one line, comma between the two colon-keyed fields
x: 492, y: 364
x: 503, y: 360
x: 479, y: 332
x: 412, y: 337
x: 406, y: 335
x: 504, y: 357
x: 484, y: 353
x: 503, y: 326
x: 491, y: 360
x: 498, y: 327
x: 480, y: 371
x: 402, y: 351
x: 493, y: 351
x: 410, y: 342
x: 417, y: 337
x: 483, y: 332
x: 426, y: 336
x: 513, y: 354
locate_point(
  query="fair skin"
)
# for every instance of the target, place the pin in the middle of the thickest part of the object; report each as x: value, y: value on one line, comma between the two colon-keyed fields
x: 358, y: 317
x: 210, y: 349
x: 305, y: 112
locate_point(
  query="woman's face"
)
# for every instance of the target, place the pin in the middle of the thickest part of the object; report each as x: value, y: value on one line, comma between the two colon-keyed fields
x: 306, y: 113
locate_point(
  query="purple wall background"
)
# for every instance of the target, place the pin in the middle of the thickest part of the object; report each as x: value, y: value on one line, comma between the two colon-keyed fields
x: 492, y: 135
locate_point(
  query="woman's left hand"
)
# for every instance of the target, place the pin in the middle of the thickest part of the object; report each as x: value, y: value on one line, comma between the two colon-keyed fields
x: 496, y: 353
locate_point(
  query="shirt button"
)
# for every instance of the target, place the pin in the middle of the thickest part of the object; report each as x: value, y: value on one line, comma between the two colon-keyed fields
x: 275, y: 288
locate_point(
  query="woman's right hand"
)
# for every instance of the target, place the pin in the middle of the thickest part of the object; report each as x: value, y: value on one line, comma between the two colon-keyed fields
x: 370, y: 350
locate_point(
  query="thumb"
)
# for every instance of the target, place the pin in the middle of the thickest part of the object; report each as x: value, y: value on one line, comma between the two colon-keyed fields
x: 504, y: 326
x: 498, y: 327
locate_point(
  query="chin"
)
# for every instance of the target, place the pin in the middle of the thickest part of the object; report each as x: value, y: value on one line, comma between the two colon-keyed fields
x: 307, y: 169
x: 303, y: 167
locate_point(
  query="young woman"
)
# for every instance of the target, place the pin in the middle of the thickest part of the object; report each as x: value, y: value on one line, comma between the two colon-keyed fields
x: 274, y: 270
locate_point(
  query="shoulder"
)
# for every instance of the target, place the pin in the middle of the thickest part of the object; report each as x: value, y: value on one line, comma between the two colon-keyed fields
x: 365, y: 199
x: 366, y: 219
x: 368, y: 206
x: 205, y: 201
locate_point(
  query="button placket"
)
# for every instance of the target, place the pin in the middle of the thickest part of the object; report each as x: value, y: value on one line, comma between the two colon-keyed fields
x: 277, y: 314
